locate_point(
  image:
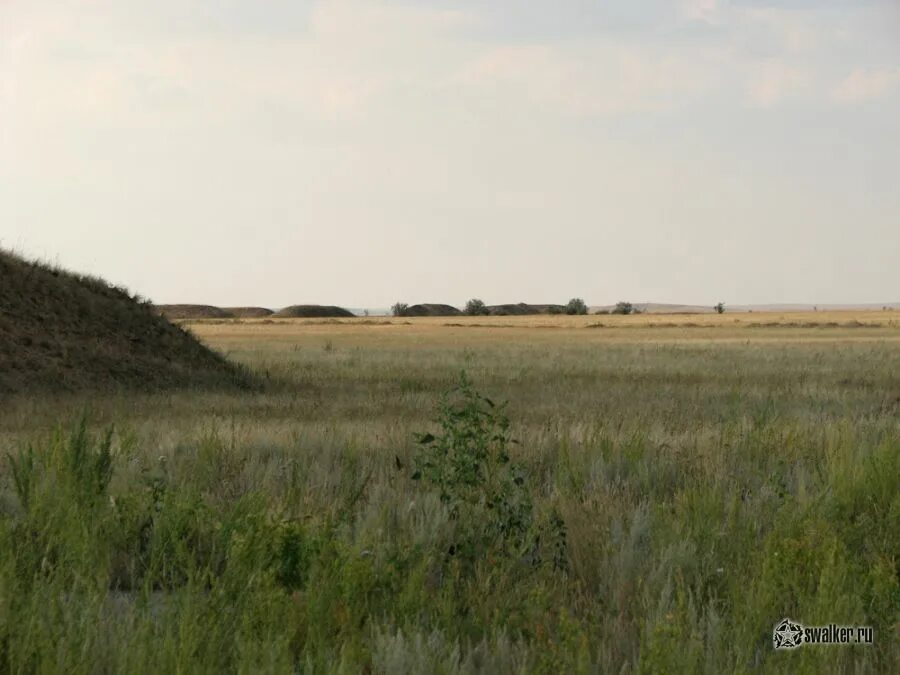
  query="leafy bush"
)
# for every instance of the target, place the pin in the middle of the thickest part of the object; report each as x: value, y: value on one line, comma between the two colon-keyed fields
x: 468, y: 462
x: 719, y: 307
x: 476, y: 307
x: 399, y: 308
x: 623, y: 308
x: 576, y: 306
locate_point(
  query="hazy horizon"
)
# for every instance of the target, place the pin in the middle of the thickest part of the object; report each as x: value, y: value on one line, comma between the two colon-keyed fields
x: 362, y: 153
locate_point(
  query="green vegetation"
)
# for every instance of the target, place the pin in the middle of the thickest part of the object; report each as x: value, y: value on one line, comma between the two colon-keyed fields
x: 476, y: 307
x: 641, y: 505
x: 623, y: 308
x: 399, y: 309
x: 576, y: 306
x: 719, y: 307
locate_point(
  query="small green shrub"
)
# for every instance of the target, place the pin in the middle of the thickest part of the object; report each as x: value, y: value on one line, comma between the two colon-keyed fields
x: 476, y: 307
x: 576, y: 306
x: 468, y: 462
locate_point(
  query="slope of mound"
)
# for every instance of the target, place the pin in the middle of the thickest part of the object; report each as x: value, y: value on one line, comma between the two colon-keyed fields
x: 312, y: 312
x: 193, y: 312
x: 523, y: 309
x: 249, y: 312
x: 432, y: 309
x: 62, y: 331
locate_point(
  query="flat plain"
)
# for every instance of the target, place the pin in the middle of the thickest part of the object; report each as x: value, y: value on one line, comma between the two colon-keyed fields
x: 688, y: 480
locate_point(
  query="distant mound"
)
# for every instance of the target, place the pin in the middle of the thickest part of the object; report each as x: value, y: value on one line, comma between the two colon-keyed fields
x: 193, y: 312
x: 62, y: 331
x: 523, y: 309
x: 249, y: 312
x: 432, y: 309
x: 312, y: 312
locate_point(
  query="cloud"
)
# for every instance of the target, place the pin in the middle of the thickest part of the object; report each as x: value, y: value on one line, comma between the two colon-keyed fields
x: 527, y: 21
x: 811, y: 5
x: 598, y: 79
x: 114, y: 69
x: 701, y: 10
x: 164, y: 18
x: 772, y: 81
x: 865, y: 85
x: 272, y: 130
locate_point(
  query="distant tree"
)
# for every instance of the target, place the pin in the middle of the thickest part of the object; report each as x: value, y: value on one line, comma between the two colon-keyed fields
x: 623, y: 308
x: 476, y: 307
x: 720, y: 308
x: 555, y: 309
x: 576, y: 306
x: 399, y: 309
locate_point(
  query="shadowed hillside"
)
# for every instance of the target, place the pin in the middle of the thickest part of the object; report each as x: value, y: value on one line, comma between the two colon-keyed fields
x: 63, y: 331
x: 313, y: 312
x: 432, y: 309
x: 523, y: 309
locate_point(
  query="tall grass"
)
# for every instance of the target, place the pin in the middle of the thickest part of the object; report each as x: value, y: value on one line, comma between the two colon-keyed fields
x: 681, y: 499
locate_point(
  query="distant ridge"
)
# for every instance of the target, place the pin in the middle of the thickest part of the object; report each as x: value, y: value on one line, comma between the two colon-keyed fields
x: 524, y: 309
x: 432, y: 309
x: 193, y: 312
x: 62, y: 331
x: 212, y: 312
x: 249, y: 312
x: 312, y: 312
x: 188, y: 311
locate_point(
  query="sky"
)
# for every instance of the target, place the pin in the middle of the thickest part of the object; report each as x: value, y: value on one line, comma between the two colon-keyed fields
x: 363, y: 152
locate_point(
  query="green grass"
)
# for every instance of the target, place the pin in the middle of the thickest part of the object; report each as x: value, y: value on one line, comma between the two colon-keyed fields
x: 699, y: 492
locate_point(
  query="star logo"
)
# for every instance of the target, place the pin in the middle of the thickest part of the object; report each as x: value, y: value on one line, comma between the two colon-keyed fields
x: 787, y: 635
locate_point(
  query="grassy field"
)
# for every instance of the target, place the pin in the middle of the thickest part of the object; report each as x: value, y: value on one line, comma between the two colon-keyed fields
x: 677, y: 485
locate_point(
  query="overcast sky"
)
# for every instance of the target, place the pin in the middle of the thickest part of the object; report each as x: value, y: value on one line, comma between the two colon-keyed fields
x: 360, y: 152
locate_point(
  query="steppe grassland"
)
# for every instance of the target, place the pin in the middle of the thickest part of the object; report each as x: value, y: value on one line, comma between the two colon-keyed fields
x: 711, y: 478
